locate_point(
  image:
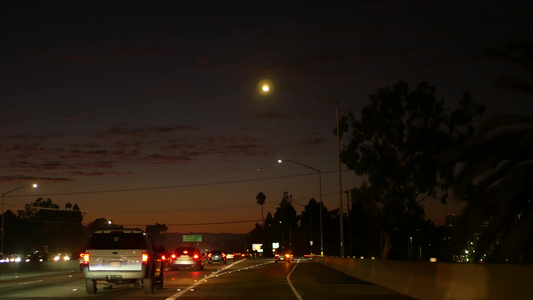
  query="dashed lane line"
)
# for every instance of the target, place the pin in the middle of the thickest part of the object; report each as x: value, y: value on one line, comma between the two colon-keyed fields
x: 215, y: 274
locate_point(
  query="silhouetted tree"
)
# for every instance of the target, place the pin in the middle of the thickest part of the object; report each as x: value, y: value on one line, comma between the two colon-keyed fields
x: 157, y: 232
x: 496, y: 176
x: 366, y: 222
x: 287, y: 220
x: 102, y: 224
x: 261, y: 198
x: 42, y: 223
x: 309, y: 229
x: 394, y: 143
x: 31, y: 209
x: 271, y: 234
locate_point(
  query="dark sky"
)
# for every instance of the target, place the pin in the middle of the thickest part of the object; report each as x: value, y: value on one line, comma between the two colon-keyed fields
x: 147, y: 112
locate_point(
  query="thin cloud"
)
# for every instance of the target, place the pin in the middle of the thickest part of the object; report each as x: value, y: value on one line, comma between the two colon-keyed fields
x: 18, y: 178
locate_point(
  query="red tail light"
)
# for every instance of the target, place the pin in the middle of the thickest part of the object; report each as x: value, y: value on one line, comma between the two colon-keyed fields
x: 84, y: 258
x: 145, y: 258
x: 223, y: 254
x: 196, y: 256
x: 185, y: 252
x: 173, y: 256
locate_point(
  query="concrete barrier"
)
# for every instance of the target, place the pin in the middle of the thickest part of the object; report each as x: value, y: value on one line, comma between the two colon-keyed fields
x: 21, y: 267
x: 436, y: 281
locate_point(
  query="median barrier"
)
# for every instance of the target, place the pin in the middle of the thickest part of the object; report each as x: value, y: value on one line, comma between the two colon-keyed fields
x: 21, y: 267
x: 436, y: 281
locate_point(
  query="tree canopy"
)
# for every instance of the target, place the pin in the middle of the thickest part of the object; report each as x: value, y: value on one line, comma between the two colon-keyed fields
x: 394, y: 143
x: 157, y: 231
x: 496, y: 175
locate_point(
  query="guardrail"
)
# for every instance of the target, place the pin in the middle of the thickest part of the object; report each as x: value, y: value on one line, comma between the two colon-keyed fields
x: 436, y: 281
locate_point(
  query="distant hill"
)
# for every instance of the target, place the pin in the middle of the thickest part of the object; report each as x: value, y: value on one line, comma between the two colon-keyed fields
x: 229, y: 242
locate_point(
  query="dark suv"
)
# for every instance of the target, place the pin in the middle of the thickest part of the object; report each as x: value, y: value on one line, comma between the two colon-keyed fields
x: 216, y: 256
x: 122, y: 257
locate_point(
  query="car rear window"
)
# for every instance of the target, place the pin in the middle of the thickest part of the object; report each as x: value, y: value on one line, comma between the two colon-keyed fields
x: 117, y: 240
x: 181, y: 251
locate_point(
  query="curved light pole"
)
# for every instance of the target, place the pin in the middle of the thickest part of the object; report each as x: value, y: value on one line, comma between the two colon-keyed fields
x: 320, y: 198
x: 266, y: 87
x: 3, y: 213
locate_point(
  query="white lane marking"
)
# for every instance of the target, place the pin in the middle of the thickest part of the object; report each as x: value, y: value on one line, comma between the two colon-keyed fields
x: 290, y: 283
x: 191, y: 287
x: 29, y: 282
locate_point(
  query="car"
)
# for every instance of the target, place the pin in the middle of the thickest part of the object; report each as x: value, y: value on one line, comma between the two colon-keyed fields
x: 230, y: 256
x: 287, y: 256
x: 122, y: 256
x: 216, y: 256
x: 37, y: 256
x: 186, y: 257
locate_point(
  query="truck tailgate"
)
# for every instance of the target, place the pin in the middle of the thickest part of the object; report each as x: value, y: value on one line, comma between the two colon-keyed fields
x: 115, y: 260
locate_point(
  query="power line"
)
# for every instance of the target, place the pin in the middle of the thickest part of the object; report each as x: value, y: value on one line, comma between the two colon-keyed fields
x: 198, y: 224
x: 137, y: 225
x: 172, y: 186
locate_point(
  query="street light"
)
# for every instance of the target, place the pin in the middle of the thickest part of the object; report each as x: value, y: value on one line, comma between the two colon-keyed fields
x: 266, y: 87
x: 320, y: 198
x: 3, y: 213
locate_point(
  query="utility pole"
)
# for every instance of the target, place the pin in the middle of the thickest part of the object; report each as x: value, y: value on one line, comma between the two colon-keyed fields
x: 349, y: 223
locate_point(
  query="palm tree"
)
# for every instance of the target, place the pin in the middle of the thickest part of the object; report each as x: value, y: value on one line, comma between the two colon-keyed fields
x: 495, y: 177
x: 261, y: 200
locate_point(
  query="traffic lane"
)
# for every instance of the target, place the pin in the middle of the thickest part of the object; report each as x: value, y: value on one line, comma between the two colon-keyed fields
x: 71, y: 285
x: 41, y: 285
x: 178, y: 280
x: 65, y: 286
x: 246, y: 279
x: 313, y: 280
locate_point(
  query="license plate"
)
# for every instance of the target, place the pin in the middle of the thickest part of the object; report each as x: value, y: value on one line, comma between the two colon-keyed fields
x: 111, y: 277
x: 114, y: 264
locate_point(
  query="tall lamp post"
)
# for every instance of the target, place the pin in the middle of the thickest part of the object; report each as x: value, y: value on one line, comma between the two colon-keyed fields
x: 320, y: 198
x: 266, y: 87
x: 3, y: 212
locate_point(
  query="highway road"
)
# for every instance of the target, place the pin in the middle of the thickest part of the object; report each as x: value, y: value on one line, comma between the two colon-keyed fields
x: 243, y: 279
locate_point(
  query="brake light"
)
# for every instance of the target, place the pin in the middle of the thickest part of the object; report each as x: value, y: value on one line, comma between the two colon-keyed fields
x: 173, y: 256
x: 84, y: 258
x: 223, y: 254
x: 196, y: 256
x: 145, y: 258
x: 185, y: 252
x: 210, y: 254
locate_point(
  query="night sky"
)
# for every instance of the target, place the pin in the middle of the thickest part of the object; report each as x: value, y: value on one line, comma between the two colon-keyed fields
x: 144, y: 112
